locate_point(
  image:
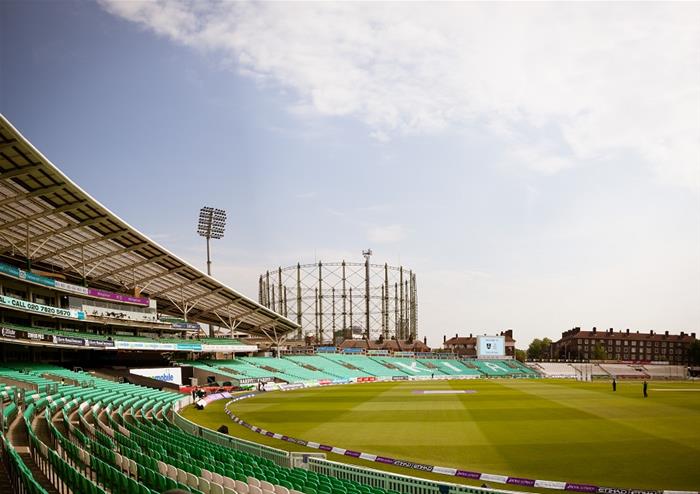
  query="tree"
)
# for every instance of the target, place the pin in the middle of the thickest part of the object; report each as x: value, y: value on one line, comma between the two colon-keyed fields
x: 694, y: 353
x: 539, y: 348
x: 599, y: 352
x: 520, y: 355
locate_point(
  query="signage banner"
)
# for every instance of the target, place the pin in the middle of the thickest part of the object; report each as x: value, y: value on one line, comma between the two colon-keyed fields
x: 189, y: 347
x: 326, y: 349
x: 377, y: 352
x: 184, y: 325
x: 9, y: 333
x: 290, y: 387
x: 99, y: 343
x: 143, y: 345
x: 43, y: 309
x: 165, y: 374
x: 254, y: 380
x: 399, y: 378
x: 118, y: 297
x: 229, y: 348
x: 60, y: 285
x: 67, y: 287
x: 352, y: 350
x: 68, y: 340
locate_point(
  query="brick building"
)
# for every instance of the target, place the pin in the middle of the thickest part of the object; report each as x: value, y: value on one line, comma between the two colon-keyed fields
x: 465, y: 346
x: 623, y: 345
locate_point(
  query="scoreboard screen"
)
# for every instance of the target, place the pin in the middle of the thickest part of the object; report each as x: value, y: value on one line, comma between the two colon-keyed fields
x: 490, y: 346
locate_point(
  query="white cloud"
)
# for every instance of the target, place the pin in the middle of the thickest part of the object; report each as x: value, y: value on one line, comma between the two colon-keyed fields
x: 581, y: 80
x: 386, y: 234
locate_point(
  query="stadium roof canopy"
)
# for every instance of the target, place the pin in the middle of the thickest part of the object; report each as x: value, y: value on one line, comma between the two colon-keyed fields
x: 49, y: 220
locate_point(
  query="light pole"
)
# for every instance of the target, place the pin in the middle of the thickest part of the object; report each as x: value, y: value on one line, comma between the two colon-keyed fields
x: 212, y: 223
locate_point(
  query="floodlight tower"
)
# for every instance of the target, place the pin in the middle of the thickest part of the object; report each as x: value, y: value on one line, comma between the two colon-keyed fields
x: 212, y: 223
x: 367, y: 254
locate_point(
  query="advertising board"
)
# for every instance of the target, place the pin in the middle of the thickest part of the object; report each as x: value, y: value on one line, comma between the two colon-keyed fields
x: 165, y: 374
x: 490, y: 346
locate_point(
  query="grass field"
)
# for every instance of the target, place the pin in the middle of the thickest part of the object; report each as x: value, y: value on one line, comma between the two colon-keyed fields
x: 546, y: 429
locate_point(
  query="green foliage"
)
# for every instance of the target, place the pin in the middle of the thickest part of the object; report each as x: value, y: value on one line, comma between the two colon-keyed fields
x: 539, y: 349
x: 520, y: 355
x: 599, y: 352
x: 694, y: 353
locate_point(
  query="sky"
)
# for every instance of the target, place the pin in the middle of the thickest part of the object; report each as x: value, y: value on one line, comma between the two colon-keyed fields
x: 536, y: 165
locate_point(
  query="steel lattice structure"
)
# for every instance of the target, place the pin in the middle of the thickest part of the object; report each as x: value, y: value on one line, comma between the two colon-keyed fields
x: 324, y: 298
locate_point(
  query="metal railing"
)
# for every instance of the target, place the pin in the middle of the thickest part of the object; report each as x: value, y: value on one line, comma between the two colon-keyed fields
x: 404, y: 484
x: 280, y: 457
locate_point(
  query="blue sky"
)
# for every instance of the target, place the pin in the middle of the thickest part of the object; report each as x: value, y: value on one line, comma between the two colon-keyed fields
x: 537, y: 166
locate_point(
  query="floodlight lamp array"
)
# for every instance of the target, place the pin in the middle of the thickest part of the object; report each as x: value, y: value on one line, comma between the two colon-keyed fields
x: 212, y: 222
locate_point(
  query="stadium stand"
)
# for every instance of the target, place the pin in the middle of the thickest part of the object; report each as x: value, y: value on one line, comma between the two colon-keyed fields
x: 285, y: 369
x: 595, y: 370
x: 370, y: 367
x: 625, y: 371
x: 399, y: 366
x: 328, y: 366
x: 666, y: 371
x: 556, y: 369
x: 449, y: 367
x: 103, y: 437
x: 495, y: 368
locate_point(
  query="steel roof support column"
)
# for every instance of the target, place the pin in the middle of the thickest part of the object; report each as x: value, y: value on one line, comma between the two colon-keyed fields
x: 261, y: 299
x: 274, y: 299
x: 343, y: 295
x: 407, y: 327
x: 414, y: 318
x: 279, y: 284
x: 383, y: 312
x: 333, y: 311
x: 299, y: 299
x: 396, y: 310
x: 402, y: 323
x: 350, y: 312
x: 367, y: 334
x: 320, y: 301
x: 316, y: 304
x: 386, y: 301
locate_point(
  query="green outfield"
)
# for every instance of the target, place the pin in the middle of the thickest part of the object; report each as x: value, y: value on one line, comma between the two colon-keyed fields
x: 543, y: 429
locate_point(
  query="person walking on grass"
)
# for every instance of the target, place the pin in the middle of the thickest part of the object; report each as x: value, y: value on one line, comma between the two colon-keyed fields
x: 614, y: 383
x: 644, y: 388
